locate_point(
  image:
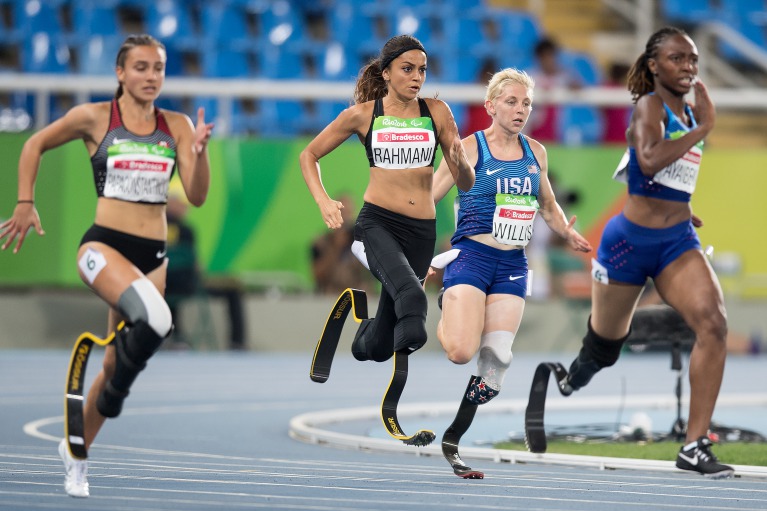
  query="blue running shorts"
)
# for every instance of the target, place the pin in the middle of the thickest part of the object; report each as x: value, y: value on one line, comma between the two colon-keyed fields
x: 489, y: 269
x: 630, y: 253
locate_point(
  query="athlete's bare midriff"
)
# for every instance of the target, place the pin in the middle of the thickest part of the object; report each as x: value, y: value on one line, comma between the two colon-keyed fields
x: 487, y: 238
x: 403, y: 191
x: 144, y: 220
x: 656, y: 213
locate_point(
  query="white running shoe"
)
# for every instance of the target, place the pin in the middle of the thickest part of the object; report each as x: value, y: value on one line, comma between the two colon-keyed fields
x: 76, y: 479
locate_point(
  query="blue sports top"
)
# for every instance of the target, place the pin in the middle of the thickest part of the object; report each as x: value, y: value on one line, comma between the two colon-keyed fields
x: 493, y: 176
x: 677, y: 181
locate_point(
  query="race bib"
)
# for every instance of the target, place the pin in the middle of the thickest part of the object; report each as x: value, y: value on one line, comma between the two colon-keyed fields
x: 682, y: 174
x: 138, y: 172
x: 402, y: 143
x: 513, y: 218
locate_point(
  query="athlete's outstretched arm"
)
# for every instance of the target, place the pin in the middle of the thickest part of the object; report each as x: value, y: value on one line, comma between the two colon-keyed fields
x: 346, y: 124
x: 79, y: 122
x: 551, y: 211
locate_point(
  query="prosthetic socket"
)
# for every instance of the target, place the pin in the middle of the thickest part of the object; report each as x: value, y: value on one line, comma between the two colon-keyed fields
x: 135, y: 343
x: 493, y: 361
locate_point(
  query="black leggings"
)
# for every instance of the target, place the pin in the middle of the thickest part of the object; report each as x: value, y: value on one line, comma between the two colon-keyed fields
x: 399, y: 250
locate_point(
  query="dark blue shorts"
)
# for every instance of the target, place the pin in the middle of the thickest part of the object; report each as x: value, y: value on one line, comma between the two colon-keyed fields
x: 490, y: 270
x: 630, y: 253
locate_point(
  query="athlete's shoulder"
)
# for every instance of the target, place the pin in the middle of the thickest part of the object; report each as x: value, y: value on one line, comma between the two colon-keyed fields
x: 83, y: 119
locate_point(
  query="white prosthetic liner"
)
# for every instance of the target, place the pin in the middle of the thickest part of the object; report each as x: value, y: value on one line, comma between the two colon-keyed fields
x: 495, y: 357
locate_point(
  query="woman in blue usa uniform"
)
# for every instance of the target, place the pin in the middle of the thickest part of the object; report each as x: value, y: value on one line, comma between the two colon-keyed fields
x: 135, y: 149
x: 486, y: 284
x: 654, y: 237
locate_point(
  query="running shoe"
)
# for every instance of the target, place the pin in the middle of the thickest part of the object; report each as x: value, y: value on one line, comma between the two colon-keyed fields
x: 76, y: 479
x: 697, y: 457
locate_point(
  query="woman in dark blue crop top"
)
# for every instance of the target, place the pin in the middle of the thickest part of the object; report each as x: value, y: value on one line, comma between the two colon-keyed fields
x: 396, y: 225
x: 135, y: 149
x: 654, y: 237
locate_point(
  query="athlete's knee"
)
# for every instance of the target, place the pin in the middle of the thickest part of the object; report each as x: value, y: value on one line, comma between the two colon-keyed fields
x: 458, y: 353
x: 143, y: 302
x: 710, y: 324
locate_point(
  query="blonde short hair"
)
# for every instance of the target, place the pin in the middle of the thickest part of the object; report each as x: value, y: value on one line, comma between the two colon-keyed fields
x: 505, y: 77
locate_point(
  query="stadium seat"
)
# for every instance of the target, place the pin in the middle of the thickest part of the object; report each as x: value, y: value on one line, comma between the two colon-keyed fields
x: 688, y: 12
x: 282, y: 63
x: 337, y: 63
x: 580, y: 124
x: 582, y: 65
x: 517, y: 30
x: 33, y: 16
x: 219, y: 62
x: 226, y: 25
x: 41, y: 53
x: 353, y: 28
x: 97, y: 54
x: 171, y: 22
x: 408, y: 20
x: 91, y: 18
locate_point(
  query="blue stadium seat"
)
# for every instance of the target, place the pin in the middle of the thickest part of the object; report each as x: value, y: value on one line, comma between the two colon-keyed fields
x: 354, y: 29
x: 97, y: 54
x: 689, y: 12
x: 94, y: 18
x: 226, y: 63
x: 282, y: 63
x: 517, y: 30
x: 581, y: 65
x: 225, y: 25
x: 42, y: 53
x: 33, y: 16
x: 281, y: 23
x: 754, y: 32
x: 281, y: 117
x: 337, y: 63
x: 171, y: 22
x: 580, y: 124
x: 408, y: 20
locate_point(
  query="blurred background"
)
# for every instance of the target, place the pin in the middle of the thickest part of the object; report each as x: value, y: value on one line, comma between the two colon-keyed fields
x: 273, y: 73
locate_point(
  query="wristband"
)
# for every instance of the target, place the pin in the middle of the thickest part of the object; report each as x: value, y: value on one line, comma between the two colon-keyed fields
x: 25, y: 201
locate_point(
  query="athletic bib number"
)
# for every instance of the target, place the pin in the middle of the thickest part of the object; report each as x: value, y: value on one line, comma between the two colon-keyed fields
x: 513, y: 218
x: 138, y: 172
x: 682, y: 174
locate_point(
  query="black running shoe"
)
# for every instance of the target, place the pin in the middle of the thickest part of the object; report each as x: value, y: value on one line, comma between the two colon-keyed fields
x: 439, y: 298
x: 699, y: 458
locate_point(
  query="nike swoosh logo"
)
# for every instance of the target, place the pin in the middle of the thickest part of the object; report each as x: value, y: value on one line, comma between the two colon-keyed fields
x: 691, y: 461
x: 116, y: 141
x: 515, y: 278
x: 161, y: 253
x: 491, y: 172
